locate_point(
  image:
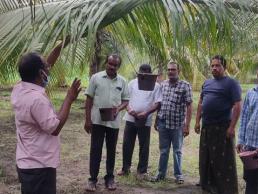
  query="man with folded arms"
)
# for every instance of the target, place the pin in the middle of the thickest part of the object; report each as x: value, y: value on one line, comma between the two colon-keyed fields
x: 248, y: 136
x: 138, y: 123
x: 106, y: 89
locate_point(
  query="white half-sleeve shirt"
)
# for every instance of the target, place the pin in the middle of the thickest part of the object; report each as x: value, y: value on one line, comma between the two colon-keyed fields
x: 141, y: 100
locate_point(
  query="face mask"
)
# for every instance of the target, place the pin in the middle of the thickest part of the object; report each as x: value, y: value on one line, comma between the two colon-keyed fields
x: 46, y: 79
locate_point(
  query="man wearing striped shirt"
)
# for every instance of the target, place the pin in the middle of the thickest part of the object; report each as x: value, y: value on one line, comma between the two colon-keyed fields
x: 248, y: 136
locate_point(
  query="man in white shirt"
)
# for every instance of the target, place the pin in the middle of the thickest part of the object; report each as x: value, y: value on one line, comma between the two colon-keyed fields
x: 138, y: 122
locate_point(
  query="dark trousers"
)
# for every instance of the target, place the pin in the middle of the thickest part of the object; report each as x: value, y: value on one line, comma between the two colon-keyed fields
x: 98, y: 134
x: 251, y: 179
x: 37, y: 180
x: 217, y: 161
x: 130, y: 133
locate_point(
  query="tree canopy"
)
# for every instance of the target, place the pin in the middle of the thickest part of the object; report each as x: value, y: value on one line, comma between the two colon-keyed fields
x: 188, y: 31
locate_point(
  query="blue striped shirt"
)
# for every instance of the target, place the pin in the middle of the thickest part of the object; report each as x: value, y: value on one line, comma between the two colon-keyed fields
x: 248, y: 131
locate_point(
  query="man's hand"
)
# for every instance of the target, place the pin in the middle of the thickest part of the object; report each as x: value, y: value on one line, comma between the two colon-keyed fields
x: 239, y: 148
x: 197, y: 128
x: 88, y: 127
x: 115, y: 110
x: 142, y: 115
x: 132, y: 112
x: 156, y: 124
x: 74, y: 90
x: 71, y: 96
x: 119, y: 108
x: 186, y: 131
x: 230, y: 132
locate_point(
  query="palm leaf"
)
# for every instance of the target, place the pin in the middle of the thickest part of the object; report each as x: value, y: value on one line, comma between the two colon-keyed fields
x: 193, y: 29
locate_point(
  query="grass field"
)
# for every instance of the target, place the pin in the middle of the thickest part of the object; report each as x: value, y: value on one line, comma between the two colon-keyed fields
x: 73, y: 172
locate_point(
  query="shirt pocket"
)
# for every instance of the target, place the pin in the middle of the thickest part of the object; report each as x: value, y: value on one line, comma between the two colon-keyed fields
x: 118, y: 89
x: 117, y: 92
x: 177, y: 97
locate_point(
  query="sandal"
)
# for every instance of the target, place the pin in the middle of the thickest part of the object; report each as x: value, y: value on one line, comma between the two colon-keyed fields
x: 123, y: 173
x: 179, y: 181
x: 110, y: 185
x: 91, y: 186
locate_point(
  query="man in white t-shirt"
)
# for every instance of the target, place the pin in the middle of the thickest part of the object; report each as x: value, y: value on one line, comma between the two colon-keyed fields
x: 138, y: 122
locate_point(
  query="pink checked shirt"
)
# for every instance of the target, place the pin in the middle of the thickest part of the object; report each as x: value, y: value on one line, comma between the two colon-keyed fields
x: 35, y: 120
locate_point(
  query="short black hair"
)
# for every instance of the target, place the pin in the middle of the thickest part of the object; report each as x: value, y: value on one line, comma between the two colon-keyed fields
x: 145, y: 68
x: 116, y: 56
x: 29, y: 66
x: 174, y: 63
x: 221, y: 59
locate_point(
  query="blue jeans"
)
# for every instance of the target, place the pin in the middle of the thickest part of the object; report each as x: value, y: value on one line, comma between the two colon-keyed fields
x: 166, y: 137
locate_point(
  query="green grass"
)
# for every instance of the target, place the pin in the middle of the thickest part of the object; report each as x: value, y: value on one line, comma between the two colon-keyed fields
x: 246, y: 87
x: 75, y: 145
x: 1, y: 172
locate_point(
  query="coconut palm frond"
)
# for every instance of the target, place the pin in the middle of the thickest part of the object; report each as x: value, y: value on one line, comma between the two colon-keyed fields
x: 198, y: 28
x: 58, y: 19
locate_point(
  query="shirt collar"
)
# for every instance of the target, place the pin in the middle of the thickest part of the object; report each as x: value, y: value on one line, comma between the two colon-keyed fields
x: 31, y: 86
x: 173, y: 85
x: 105, y: 75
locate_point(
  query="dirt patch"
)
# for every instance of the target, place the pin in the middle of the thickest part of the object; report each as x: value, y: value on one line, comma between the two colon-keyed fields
x: 73, y: 173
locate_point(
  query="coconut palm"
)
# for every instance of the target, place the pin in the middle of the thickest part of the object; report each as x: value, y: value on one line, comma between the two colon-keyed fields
x: 189, y: 31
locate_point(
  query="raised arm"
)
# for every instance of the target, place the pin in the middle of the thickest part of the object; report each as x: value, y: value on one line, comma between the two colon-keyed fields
x: 55, y: 53
x: 63, y: 113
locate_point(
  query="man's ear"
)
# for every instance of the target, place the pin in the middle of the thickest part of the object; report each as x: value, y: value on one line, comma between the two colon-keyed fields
x: 41, y: 74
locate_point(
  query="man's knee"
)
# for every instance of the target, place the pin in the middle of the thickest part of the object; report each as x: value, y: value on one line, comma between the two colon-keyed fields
x: 164, y: 150
x: 177, y: 151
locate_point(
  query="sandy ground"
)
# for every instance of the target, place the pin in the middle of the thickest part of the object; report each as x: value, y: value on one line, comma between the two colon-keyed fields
x: 73, y: 173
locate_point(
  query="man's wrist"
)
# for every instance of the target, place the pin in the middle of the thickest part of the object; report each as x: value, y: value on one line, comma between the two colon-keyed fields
x: 186, y: 129
x: 88, y: 119
x: 187, y: 125
x: 118, y: 109
x: 69, y: 98
x: 197, y: 121
x: 231, y: 128
x: 146, y: 113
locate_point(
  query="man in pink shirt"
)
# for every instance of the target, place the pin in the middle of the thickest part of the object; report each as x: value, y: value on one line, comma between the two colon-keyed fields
x: 38, y: 125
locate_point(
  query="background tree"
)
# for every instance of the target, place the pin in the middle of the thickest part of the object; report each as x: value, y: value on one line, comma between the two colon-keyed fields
x: 187, y: 31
